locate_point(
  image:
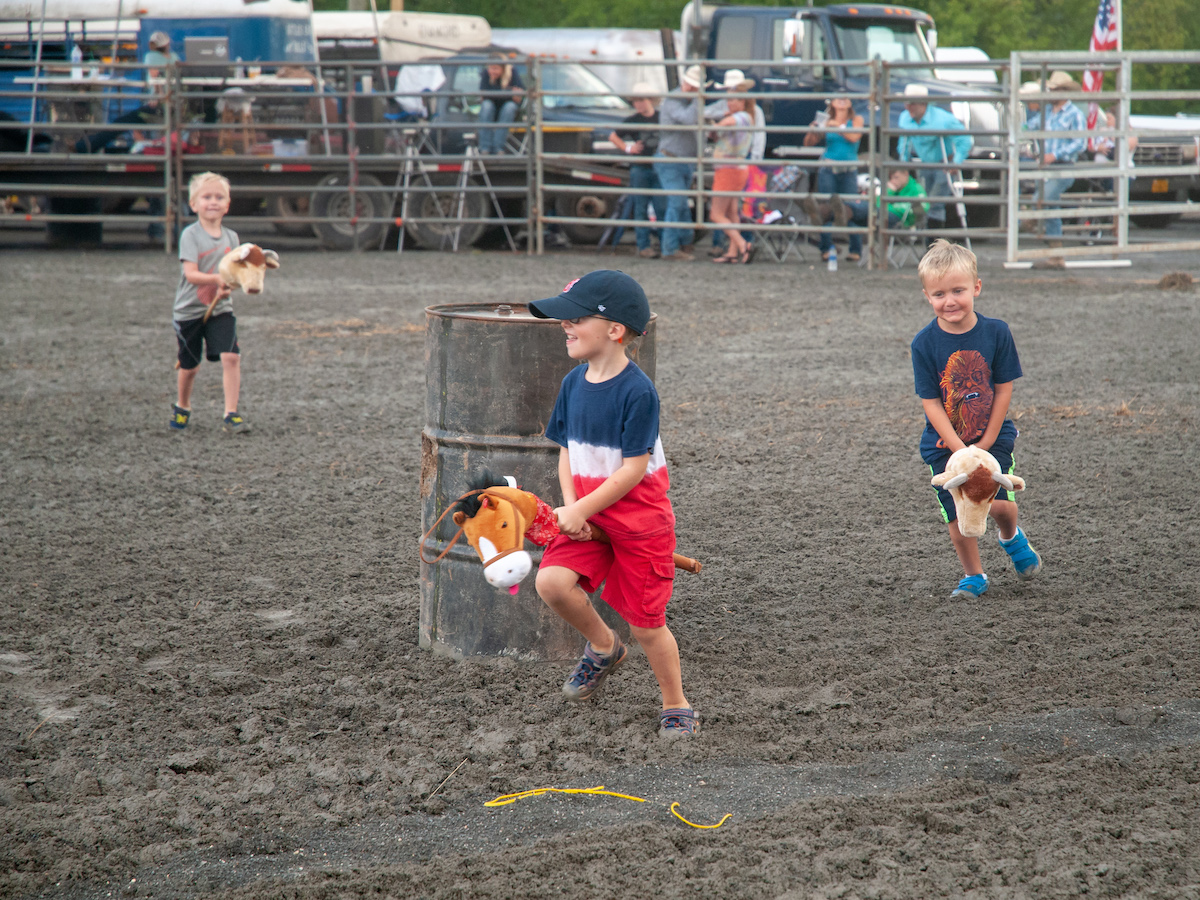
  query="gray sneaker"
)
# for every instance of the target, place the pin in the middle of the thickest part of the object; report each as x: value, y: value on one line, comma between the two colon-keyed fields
x: 235, y: 424
x: 593, y: 669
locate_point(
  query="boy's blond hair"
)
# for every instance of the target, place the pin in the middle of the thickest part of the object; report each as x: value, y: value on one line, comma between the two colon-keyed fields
x: 202, y: 178
x: 943, y: 257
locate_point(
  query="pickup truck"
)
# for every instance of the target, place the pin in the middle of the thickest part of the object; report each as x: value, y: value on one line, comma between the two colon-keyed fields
x: 1181, y: 147
x: 833, y: 37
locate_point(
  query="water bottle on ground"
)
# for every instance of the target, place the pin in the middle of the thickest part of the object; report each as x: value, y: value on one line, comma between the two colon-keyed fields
x: 76, y: 63
x: 833, y: 259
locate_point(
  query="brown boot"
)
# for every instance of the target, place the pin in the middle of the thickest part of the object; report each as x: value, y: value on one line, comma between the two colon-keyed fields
x: 1052, y: 262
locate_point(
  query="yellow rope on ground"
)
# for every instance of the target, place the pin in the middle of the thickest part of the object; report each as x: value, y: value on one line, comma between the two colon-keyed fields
x: 506, y: 799
x: 675, y: 812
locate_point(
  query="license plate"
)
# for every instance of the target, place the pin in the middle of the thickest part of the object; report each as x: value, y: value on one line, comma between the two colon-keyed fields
x: 1159, y: 186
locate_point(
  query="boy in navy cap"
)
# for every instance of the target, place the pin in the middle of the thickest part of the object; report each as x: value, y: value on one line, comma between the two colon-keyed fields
x: 612, y: 470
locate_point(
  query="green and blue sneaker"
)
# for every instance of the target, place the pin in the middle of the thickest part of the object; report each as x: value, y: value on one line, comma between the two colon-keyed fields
x: 587, y: 677
x: 235, y: 424
x: 972, y: 586
x: 179, y: 417
x: 1025, y: 559
x: 680, y: 722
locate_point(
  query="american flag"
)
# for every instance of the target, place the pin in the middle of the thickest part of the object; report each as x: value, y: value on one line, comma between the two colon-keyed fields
x: 1104, y: 39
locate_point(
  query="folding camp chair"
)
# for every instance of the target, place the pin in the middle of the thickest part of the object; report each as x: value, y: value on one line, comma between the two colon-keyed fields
x: 780, y: 244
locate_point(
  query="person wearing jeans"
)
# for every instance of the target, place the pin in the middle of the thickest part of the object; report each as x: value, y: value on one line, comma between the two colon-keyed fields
x: 841, y: 129
x: 636, y: 139
x: 502, y: 91
x: 918, y: 119
x: 678, y: 108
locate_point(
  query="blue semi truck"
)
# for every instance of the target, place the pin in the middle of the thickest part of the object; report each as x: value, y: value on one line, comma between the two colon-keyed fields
x: 829, y: 40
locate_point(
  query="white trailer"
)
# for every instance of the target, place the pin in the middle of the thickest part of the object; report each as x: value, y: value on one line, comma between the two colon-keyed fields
x: 398, y: 37
x: 641, y: 47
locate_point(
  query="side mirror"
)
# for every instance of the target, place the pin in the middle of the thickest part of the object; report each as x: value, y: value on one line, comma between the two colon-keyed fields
x: 931, y: 39
x: 792, y: 39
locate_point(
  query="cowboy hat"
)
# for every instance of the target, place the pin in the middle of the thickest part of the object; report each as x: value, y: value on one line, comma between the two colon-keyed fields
x: 1030, y: 87
x: 735, y: 80
x: 643, y: 90
x: 1061, y: 81
x: 159, y: 40
x: 694, y: 76
x: 915, y: 90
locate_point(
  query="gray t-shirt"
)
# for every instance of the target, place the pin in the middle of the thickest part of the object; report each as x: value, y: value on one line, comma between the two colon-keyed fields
x: 198, y: 246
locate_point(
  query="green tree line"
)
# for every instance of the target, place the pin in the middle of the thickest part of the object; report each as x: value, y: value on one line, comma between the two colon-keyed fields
x: 998, y: 27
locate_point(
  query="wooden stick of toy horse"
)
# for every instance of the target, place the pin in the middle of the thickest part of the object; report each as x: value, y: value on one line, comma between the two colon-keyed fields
x: 971, y: 477
x: 498, y: 518
x: 244, y: 266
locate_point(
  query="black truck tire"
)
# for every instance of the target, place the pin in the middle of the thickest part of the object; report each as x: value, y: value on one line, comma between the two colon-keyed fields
x: 442, y: 202
x: 1160, y: 221
x: 285, y: 207
x: 342, y: 233
x: 583, y: 206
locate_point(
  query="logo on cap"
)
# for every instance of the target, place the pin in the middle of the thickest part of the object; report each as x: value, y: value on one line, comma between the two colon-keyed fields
x: 571, y: 284
x: 601, y: 307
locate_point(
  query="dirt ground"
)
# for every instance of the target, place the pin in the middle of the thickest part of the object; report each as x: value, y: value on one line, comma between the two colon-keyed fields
x: 210, y: 683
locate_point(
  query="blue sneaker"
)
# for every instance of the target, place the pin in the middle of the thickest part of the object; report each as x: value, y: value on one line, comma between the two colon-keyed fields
x: 972, y: 586
x: 1025, y: 559
x: 179, y: 417
x: 593, y: 669
x: 235, y: 424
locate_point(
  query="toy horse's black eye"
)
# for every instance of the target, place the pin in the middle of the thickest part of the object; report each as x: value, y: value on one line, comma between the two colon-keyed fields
x: 503, y: 524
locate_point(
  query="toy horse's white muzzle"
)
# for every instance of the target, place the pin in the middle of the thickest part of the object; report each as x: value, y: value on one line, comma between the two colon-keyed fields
x: 509, y: 570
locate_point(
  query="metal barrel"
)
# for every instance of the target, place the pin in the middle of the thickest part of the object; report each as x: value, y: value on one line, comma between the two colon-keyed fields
x: 492, y: 373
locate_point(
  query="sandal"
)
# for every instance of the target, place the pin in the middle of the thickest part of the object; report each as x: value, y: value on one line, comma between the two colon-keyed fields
x: 678, y: 723
x: 727, y: 259
x: 853, y: 257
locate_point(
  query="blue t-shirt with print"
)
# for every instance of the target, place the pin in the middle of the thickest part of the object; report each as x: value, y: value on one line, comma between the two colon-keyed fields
x: 962, y: 371
x: 602, y: 424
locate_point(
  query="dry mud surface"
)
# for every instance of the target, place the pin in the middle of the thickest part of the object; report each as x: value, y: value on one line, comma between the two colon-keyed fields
x: 210, y: 683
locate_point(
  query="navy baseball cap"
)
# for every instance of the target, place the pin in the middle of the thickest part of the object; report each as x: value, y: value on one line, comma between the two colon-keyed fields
x: 606, y: 293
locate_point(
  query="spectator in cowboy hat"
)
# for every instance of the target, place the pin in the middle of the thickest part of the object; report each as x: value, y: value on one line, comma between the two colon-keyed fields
x: 719, y: 109
x: 920, y: 116
x: 1061, y: 150
x: 731, y: 173
x: 671, y: 161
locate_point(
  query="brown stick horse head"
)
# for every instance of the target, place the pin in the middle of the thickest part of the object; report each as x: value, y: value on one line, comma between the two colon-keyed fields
x: 495, y: 522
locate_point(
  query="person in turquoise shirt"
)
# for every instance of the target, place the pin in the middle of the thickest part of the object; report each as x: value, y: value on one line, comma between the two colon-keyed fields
x: 841, y: 128
x: 920, y: 116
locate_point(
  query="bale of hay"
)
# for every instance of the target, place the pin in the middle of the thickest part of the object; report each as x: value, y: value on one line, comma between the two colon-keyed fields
x: 1175, y: 281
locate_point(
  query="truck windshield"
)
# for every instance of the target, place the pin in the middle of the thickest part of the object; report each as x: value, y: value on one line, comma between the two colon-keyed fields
x: 890, y: 40
x: 574, y: 77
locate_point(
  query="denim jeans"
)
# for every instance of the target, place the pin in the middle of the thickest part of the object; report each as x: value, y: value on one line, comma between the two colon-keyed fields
x: 937, y: 184
x: 858, y: 214
x: 674, y: 176
x: 1054, y: 188
x: 491, y: 140
x: 642, y: 177
x: 838, y: 181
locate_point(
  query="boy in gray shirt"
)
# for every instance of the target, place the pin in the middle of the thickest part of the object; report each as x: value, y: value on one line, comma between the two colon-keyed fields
x: 201, y: 247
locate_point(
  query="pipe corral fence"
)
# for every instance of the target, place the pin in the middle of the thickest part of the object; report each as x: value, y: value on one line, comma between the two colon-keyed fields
x: 332, y: 151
